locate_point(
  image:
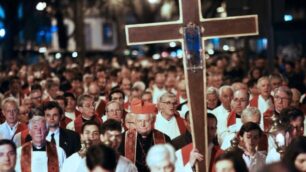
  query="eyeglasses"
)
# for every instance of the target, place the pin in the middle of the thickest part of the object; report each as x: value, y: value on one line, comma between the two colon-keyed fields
x: 281, y: 98
x: 89, y: 106
x: 170, y: 103
x: 12, y: 111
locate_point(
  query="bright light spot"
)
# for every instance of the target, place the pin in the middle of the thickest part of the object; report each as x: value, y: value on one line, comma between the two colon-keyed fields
x: 225, y: 47
x: 126, y: 52
x: 173, y: 54
x: 210, y: 51
x: 41, y: 6
x: 232, y: 48
x: 58, y: 55
x: 2, y: 32
x: 154, y: 1
x: 179, y: 53
x: 75, y: 54
x: 265, y: 42
x: 220, y: 9
x: 42, y: 49
x: 156, y: 56
x: 134, y: 52
x: 172, y: 44
x: 164, y: 54
x: 288, y: 17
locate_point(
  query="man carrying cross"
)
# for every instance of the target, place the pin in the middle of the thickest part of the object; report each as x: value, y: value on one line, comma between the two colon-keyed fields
x: 189, y: 30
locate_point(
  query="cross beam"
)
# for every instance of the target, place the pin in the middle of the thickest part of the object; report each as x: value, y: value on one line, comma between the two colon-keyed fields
x: 190, y: 12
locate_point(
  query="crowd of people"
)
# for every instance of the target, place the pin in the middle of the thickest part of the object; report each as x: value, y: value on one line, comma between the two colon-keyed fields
x: 101, y: 115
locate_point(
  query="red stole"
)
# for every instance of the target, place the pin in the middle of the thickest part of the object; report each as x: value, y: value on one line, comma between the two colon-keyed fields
x: 26, y: 154
x: 78, y: 122
x: 64, y: 122
x: 267, y: 119
x: 131, y: 143
x: 20, y: 127
x: 231, y: 120
x: 100, y: 110
x: 254, y: 102
x: 180, y: 124
x: 23, y: 136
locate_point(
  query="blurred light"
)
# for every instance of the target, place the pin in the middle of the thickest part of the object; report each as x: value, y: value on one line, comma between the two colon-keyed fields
x: 2, y: 32
x: 154, y: 1
x: 126, y: 52
x: 265, y: 42
x: 179, y: 53
x: 41, y: 6
x: 164, y: 54
x: 75, y: 54
x: 134, y: 52
x: 288, y: 17
x: 156, y: 56
x: 58, y: 55
x: 173, y: 54
x: 220, y: 9
x: 42, y: 50
x: 225, y: 47
x: 172, y: 44
x: 210, y: 51
x: 54, y: 29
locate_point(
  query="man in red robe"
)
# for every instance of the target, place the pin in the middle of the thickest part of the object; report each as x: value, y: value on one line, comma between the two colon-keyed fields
x: 136, y: 143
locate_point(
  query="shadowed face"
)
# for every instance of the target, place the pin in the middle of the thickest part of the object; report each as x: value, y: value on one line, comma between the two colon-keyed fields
x: 144, y: 124
x: 38, y: 132
x: 7, y: 158
x: 10, y: 112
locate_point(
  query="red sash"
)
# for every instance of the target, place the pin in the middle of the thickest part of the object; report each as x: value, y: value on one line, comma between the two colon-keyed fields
x: 254, y: 102
x: 215, y: 153
x: 64, y: 122
x: 20, y: 127
x: 78, y: 122
x: 131, y: 143
x: 180, y: 123
x: 267, y: 119
x: 23, y: 136
x: 186, y: 153
x: 231, y: 120
x: 26, y: 154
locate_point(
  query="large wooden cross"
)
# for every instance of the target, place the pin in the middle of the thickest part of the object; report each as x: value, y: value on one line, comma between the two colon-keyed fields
x: 190, y: 13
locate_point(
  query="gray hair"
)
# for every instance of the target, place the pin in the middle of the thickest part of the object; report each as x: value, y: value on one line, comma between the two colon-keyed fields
x: 168, y: 95
x: 9, y: 100
x: 262, y: 78
x: 159, y: 153
x: 36, y: 119
x: 250, y: 111
x: 224, y: 87
x: 212, y: 90
x: 113, y: 102
x: 285, y: 90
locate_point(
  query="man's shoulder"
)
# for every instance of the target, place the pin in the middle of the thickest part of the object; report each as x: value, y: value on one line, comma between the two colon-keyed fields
x: 68, y: 132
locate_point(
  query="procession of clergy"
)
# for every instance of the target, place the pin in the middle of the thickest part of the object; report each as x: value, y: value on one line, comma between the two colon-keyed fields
x: 48, y: 127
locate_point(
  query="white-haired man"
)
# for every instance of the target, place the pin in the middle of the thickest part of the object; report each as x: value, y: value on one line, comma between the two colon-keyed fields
x: 136, y: 143
x: 11, y: 126
x: 263, y: 101
x: 39, y: 155
x: 222, y: 111
x: 168, y: 120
